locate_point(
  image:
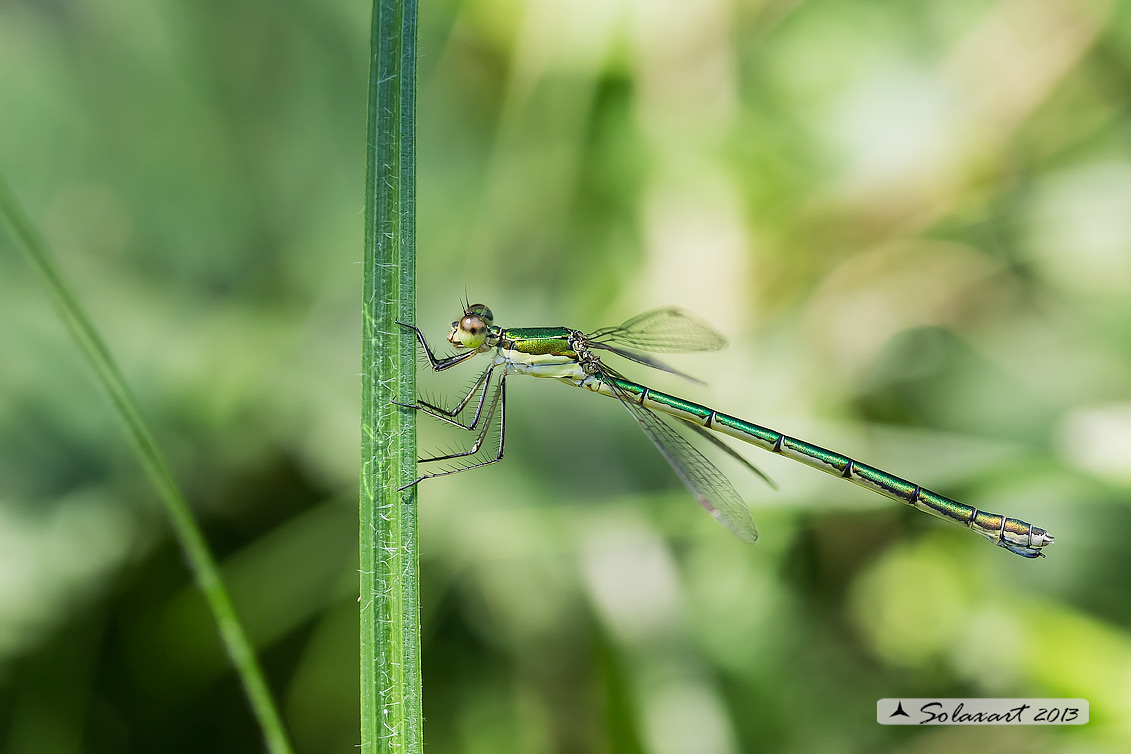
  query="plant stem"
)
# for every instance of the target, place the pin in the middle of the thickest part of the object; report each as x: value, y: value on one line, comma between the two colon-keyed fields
x: 391, y: 719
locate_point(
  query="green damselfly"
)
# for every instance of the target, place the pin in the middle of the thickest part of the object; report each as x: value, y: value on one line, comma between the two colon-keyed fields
x: 572, y: 357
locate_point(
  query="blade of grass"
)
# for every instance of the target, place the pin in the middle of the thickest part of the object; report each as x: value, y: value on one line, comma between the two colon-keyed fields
x: 188, y: 535
x: 391, y: 719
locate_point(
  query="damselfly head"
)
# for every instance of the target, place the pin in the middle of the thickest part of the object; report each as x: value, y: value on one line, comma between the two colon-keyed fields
x: 472, y: 329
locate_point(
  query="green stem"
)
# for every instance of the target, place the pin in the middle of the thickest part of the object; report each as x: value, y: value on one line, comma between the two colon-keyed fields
x: 391, y: 719
x: 189, y: 536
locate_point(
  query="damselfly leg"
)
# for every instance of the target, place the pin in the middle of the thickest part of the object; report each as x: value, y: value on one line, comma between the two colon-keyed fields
x: 482, y: 386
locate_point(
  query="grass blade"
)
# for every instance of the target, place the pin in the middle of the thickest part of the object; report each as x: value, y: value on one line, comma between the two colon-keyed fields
x: 188, y: 535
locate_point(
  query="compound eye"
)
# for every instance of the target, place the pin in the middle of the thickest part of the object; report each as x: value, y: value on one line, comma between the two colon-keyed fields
x: 482, y: 312
x: 470, y: 332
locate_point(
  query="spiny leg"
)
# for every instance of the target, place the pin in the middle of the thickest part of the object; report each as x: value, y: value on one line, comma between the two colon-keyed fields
x: 498, y: 397
x: 438, y: 365
x: 483, y: 382
x: 499, y: 401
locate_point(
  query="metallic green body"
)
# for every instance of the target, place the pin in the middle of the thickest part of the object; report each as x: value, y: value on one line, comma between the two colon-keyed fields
x: 538, y: 341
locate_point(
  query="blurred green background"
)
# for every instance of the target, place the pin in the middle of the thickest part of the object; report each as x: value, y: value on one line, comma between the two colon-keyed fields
x: 912, y: 220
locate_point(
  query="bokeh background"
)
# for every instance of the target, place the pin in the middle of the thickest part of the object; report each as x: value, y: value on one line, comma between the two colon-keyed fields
x: 911, y: 219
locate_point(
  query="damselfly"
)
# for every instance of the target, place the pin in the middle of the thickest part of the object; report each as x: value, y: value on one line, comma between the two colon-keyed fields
x: 572, y: 357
